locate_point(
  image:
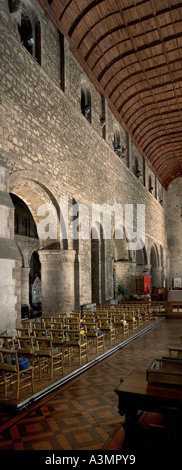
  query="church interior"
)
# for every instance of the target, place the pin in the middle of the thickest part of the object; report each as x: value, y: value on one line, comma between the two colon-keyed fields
x: 90, y: 232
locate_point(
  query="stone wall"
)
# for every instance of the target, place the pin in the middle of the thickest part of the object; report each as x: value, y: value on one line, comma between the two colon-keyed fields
x: 51, y: 149
x: 174, y: 226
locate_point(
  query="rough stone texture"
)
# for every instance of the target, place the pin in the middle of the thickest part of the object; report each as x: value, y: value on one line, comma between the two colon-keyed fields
x: 174, y: 217
x: 10, y: 287
x: 51, y: 150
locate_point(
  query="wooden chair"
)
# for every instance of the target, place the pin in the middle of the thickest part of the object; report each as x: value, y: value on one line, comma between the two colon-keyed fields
x: 39, y: 325
x: 139, y: 319
x: 94, y: 334
x: 108, y: 329
x: 120, y: 324
x: 41, y: 332
x: 7, y: 342
x: 24, y: 331
x: 177, y: 349
x: 58, y: 340
x: 12, y: 366
x: 88, y: 317
x: 26, y: 348
x: 75, y: 314
x: 76, y: 340
x: 49, y: 357
x: 130, y: 318
x: 58, y: 324
x: 26, y: 324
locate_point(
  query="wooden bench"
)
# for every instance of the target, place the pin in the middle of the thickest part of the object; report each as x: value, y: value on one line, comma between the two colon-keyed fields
x: 177, y: 349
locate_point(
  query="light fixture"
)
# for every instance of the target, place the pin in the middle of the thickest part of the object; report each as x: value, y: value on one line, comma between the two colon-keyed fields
x: 151, y: 189
x: 28, y: 41
x: 138, y: 174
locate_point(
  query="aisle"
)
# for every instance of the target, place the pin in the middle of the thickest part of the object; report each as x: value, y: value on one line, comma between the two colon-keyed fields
x: 83, y: 413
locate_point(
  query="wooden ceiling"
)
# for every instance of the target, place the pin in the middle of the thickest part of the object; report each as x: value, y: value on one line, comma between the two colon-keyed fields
x: 132, y: 52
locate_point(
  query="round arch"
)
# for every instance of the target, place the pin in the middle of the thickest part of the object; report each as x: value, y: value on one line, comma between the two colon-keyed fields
x: 38, y: 197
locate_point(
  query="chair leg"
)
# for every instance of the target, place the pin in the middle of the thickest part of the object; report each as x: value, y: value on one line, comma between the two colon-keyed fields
x: 51, y: 371
x: 17, y: 386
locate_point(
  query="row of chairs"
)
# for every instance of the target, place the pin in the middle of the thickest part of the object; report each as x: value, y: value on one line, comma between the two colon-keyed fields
x: 22, y: 355
x: 50, y: 342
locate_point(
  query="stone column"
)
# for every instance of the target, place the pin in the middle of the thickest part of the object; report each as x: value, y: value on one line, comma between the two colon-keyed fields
x: 25, y: 286
x: 58, y: 280
x: 10, y: 260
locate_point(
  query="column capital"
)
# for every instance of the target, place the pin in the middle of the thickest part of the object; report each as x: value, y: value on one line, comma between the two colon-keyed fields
x: 57, y: 256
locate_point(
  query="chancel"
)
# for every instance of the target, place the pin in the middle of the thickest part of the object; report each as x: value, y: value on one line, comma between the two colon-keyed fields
x: 90, y: 120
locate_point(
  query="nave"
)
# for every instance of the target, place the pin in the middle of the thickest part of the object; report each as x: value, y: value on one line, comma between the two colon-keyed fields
x: 83, y: 413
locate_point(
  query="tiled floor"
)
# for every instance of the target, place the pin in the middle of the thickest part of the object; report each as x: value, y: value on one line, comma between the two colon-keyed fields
x: 83, y: 414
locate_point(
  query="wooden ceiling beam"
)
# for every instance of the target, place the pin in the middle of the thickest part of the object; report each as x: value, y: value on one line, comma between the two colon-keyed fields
x: 131, y: 51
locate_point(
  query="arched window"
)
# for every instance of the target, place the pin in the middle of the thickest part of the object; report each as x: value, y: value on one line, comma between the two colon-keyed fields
x: 14, y: 5
x: 150, y: 185
x: 24, y: 224
x: 103, y: 117
x: 86, y: 102
x: 117, y: 142
x: 30, y: 33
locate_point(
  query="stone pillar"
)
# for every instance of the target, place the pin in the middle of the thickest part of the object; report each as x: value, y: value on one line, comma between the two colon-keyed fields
x: 10, y: 260
x: 156, y: 273
x: 25, y: 286
x: 58, y: 281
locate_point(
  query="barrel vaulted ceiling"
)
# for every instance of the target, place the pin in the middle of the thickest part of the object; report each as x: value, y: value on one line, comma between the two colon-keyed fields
x: 132, y: 52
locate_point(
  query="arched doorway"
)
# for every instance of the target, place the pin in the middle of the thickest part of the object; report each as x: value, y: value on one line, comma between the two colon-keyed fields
x: 35, y: 290
x: 26, y: 238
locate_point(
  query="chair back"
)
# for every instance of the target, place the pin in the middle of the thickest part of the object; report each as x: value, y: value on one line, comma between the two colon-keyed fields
x: 25, y: 345
x: 7, y: 342
x: 58, y: 336
x: 23, y: 331
x: 9, y: 360
x: 44, y: 345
